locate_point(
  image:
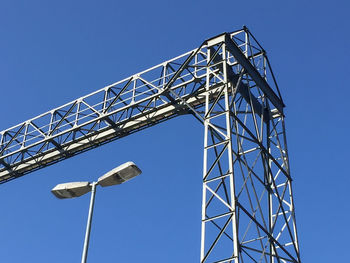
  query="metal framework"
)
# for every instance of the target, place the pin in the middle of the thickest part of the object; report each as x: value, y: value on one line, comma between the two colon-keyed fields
x: 228, y: 85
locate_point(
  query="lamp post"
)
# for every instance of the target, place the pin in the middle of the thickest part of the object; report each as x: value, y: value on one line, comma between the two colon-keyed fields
x: 117, y: 175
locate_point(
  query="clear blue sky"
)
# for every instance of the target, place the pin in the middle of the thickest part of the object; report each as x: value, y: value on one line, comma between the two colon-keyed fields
x: 52, y: 52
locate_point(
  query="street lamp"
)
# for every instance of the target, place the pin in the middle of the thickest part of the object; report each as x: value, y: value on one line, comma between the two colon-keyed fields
x: 118, y: 175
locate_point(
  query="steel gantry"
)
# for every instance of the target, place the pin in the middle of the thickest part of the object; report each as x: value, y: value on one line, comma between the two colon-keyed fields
x: 227, y: 84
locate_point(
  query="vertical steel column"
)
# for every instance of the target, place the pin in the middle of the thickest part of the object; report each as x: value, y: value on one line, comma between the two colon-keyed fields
x: 230, y: 157
x: 283, y: 240
x: 270, y: 194
x: 219, y: 241
x: 286, y: 157
x: 205, y: 165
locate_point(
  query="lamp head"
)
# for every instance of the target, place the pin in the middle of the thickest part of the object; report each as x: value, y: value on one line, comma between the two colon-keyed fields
x: 71, y: 190
x: 119, y: 175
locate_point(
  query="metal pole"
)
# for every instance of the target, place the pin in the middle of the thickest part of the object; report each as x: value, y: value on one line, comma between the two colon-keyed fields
x: 88, y: 226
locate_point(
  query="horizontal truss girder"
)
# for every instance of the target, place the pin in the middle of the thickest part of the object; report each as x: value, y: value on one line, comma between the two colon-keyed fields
x: 167, y: 90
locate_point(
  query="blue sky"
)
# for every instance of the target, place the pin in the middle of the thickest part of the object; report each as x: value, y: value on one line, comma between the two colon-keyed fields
x: 52, y: 52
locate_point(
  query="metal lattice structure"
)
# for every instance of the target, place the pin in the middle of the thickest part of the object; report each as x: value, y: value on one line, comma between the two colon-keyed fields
x: 227, y: 84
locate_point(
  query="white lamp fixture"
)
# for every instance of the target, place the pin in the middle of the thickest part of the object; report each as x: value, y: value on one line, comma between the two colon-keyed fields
x: 118, y: 175
x: 70, y: 190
